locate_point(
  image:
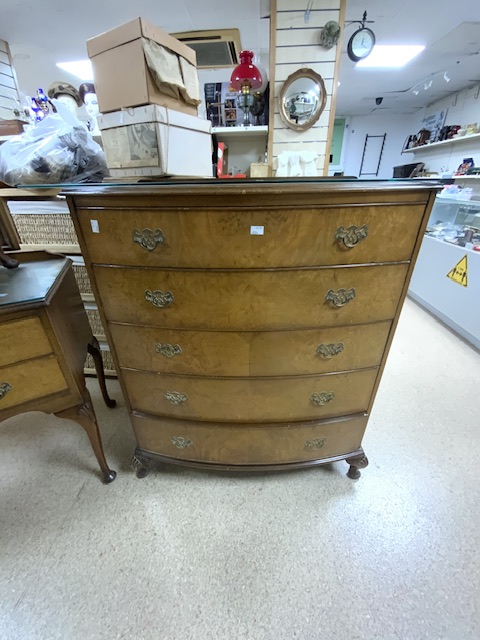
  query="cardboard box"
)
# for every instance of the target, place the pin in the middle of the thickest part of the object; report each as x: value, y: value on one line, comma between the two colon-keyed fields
x: 155, y: 141
x: 260, y: 170
x: 122, y: 75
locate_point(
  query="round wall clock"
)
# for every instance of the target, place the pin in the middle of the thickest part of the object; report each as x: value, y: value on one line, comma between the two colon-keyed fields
x: 361, y: 44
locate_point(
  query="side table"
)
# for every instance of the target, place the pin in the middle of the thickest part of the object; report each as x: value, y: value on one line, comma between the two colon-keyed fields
x: 44, y: 339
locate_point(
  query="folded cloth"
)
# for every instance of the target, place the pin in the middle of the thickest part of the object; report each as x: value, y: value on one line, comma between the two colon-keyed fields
x: 282, y: 161
x: 308, y: 161
x: 295, y: 168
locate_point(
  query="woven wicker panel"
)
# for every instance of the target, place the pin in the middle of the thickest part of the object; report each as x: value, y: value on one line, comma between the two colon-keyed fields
x: 81, y: 276
x: 45, y: 228
x: 95, y: 322
x: 108, y: 363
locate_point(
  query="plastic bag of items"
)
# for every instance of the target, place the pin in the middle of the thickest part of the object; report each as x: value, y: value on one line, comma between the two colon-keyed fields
x: 57, y: 149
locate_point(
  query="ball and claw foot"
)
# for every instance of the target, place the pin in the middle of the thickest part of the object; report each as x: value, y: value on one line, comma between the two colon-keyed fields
x: 141, y: 466
x: 357, y: 463
x: 142, y: 472
x: 109, y: 476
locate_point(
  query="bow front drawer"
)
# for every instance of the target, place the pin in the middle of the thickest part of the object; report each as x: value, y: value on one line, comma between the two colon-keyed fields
x: 254, y: 400
x: 250, y: 353
x: 230, y: 238
x: 243, y: 445
x: 244, y: 300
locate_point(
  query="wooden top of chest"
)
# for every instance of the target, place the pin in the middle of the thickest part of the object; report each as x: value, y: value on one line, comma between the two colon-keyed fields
x: 251, y: 193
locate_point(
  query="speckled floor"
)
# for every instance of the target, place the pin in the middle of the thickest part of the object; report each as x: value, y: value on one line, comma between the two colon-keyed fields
x: 308, y: 554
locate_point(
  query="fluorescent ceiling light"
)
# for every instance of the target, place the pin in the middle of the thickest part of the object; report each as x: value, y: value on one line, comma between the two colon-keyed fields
x: 390, y: 56
x: 81, y: 69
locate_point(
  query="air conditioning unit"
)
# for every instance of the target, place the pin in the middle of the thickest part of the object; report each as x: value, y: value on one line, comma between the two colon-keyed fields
x: 215, y: 48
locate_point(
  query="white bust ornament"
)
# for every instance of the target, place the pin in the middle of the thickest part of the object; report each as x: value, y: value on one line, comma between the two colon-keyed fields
x: 89, y: 99
x: 68, y: 101
x: 66, y: 94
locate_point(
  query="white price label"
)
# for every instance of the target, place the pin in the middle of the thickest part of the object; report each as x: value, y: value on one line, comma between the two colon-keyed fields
x: 257, y: 231
x: 94, y: 224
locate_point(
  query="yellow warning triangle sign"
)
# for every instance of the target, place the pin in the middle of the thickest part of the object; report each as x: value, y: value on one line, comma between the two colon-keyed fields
x: 459, y: 272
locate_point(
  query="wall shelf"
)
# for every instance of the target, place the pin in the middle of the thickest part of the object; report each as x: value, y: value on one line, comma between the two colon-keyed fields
x: 434, y: 145
x: 461, y: 201
x: 241, y: 132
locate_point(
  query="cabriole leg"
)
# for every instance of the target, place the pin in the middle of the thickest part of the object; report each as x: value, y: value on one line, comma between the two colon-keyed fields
x: 84, y: 415
x: 94, y: 350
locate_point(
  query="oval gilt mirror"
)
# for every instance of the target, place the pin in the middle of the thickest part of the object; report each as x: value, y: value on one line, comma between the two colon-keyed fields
x: 302, y: 99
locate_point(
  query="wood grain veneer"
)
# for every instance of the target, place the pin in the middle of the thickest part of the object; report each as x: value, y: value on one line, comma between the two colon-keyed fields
x: 214, y: 326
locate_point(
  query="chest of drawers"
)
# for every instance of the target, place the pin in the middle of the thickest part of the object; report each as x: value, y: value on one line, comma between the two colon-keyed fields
x: 250, y: 322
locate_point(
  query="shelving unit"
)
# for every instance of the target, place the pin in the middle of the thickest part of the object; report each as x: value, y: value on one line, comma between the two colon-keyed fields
x: 236, y: 132
x: 245, y: 145
x: 466, y: 177
x: 456, y: 201
x: 434, y: 145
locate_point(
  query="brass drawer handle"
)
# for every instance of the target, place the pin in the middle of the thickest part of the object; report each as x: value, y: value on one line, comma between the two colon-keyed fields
x: 168, y: 350
x: 180, y: 442
x: 159, y: 298
x: 352, y: 236
x: 341, y: 297
x: 148, y: 239
x: 313, y: 445
x: 176, y: 398
x: 319, y: 399
x: 330, y: 350
x: 4, y: 389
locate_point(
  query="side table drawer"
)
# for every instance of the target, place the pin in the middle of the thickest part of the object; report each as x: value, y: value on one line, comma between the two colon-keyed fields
x: 228, y: 444
x: 250, y: 400
x: 30, y: 380
x: 22, y: 340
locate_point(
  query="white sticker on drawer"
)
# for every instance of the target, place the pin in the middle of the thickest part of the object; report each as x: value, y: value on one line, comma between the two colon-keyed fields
x: 94, y: 224
x: 256, y: 231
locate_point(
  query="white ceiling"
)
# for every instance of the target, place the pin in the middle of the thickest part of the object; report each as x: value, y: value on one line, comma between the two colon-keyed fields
x: 43, y: 33
x: 450, y: 47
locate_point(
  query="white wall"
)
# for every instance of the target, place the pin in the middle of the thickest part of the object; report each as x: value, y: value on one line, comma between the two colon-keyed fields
x: 463, y: 108
x: 397, y: 127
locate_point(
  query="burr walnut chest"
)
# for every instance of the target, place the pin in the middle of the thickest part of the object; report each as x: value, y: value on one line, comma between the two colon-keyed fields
x: 250, y: 322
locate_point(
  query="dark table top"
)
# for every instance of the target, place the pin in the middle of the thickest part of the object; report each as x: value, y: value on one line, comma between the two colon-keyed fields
x: 30, y: 282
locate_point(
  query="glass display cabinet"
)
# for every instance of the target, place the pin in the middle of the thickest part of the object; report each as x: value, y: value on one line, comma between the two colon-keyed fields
x: 446, y: 278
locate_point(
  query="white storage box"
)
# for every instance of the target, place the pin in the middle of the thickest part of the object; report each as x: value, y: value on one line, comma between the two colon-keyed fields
x: 155, y: 141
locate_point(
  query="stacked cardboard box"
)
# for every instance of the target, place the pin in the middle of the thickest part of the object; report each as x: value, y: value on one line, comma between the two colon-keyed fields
x: 148, y: 93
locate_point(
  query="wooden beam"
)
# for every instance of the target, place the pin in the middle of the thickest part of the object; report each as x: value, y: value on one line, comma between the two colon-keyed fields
x: 272, y: 97
x: 333, y: 103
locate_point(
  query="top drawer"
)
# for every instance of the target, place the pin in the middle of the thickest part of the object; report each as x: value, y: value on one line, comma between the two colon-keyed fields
x: 235, y: 238
x: 23, y: 340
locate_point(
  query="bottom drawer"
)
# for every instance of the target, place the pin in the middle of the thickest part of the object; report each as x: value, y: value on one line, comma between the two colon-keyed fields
x: 29, y: 381
x: 242, y: 445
